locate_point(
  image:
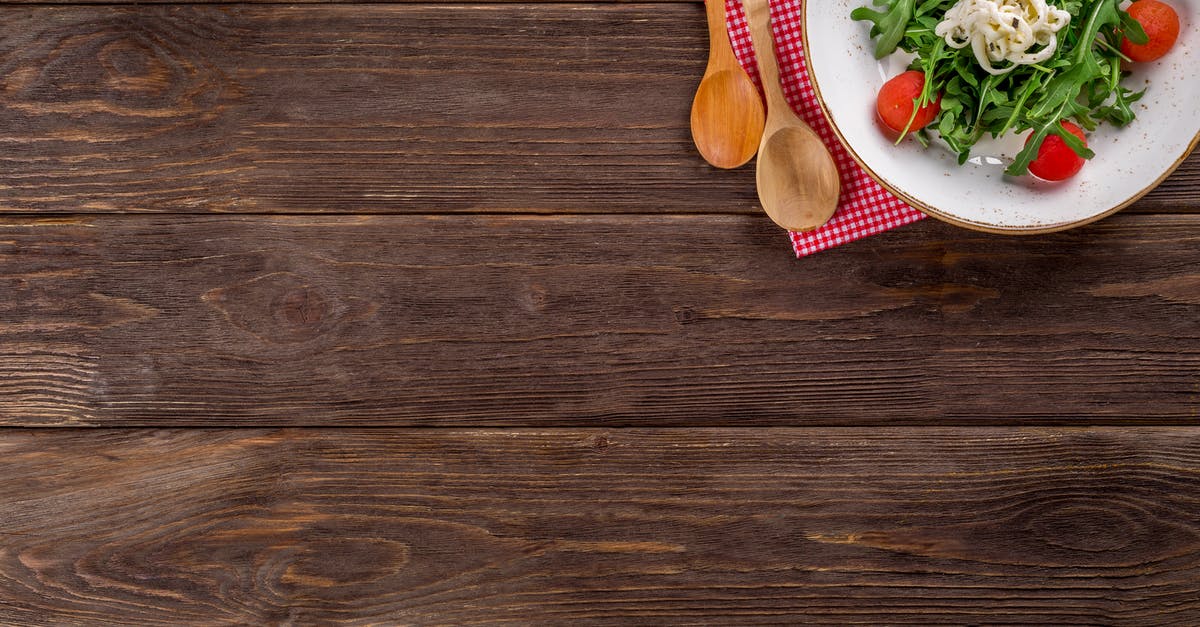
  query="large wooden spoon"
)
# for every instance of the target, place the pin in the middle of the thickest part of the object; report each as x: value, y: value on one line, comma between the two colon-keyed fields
x: 798, y: 182
x: 727, y: 112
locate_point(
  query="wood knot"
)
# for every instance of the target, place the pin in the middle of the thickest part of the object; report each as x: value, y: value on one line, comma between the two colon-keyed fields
x: 534, y: 299
x: 1112, y: 526
x: 300, y: 309
x: 357, y: 558
x: 130, y: 63
x: 685, y: 315
x: 280, y: 555
x: 133, y: 66
x: 333, y: 562
x: 284, y: 308
x: 1084, y: 527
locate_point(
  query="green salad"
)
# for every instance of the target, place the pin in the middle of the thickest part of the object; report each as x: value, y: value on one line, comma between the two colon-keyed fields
x: 1057, y: 67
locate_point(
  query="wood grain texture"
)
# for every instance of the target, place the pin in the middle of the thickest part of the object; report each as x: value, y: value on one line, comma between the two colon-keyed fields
x: 533, y: 3
x: 353, y: 109
x: 590, y: 320
x: 367, y: 109
x: 434, y: 527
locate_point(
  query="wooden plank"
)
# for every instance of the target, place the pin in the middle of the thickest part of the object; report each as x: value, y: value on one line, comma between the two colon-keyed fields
x: 354, y: 109
x: 598, y: 320
x: 367, y: 109
x: 327, y: 2
x: 741, y: 526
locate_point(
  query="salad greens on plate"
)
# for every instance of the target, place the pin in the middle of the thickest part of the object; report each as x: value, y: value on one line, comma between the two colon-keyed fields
x: 1080, y: 81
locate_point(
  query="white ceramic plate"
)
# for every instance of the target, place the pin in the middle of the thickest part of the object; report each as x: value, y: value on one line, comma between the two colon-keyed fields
x: 1129, y: 162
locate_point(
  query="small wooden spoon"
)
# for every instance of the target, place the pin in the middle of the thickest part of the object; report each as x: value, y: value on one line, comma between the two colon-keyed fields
x: 798, y: 182
x: 727, y: 112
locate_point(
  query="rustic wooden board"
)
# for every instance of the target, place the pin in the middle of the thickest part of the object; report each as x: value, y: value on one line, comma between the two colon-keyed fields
x: 837, y: 526
x: 590, y: 320
x: 367, y: 109
x: 532, y: 3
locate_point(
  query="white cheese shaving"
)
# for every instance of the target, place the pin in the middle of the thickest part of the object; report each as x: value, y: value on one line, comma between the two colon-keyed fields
x: 1004, y: 30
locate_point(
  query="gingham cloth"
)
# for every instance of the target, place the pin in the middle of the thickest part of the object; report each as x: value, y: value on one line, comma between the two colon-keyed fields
x: 866, y: 208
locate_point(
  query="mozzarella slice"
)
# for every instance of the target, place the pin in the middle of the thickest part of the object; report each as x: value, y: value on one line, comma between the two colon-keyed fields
x: 1000, y: 31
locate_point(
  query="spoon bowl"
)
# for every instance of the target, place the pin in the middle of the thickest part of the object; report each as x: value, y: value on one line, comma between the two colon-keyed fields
x: 798, y: 182
x: 796, y: 194
x: 727, y: 113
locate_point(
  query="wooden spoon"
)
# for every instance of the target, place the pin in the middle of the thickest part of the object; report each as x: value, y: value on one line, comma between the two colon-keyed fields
x: 727, y: 112
x: 798, y: 182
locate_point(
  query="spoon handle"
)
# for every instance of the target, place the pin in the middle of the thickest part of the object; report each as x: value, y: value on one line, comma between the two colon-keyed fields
x: 720, y: 51
x: 758, y: 16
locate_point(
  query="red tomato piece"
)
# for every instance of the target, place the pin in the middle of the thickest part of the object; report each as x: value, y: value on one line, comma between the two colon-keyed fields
x: 1161, y: 24
x: 1056, y: 161
x: 897, y: 98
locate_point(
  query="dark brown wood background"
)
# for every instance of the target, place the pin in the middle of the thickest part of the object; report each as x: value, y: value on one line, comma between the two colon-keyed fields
x: 430, y: 314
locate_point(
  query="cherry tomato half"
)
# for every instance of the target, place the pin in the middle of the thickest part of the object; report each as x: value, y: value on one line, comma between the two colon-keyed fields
x: 1056, y: 161
x: 1161, y: 24
x: 896, y: 99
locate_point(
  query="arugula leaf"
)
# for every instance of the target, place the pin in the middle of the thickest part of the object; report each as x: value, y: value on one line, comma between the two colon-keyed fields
x: 889, y: 25
x: 1073, y: 142
x: 1031, y: 85
x: 928, y: 6
x: 1119, y: 112
x: 1132, y: 29
x: 1020, y: 164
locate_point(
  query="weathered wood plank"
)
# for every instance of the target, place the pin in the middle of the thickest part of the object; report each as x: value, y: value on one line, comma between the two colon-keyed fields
x: 836, y: 526
x: 596, y: 320
x: 366, y: 109
x: 330, y: 2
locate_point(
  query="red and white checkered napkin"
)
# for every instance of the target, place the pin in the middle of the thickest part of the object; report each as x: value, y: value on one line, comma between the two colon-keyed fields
x: 866, y: 208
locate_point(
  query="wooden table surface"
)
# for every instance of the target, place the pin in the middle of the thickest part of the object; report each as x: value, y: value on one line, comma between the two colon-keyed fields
x: 430, y: 314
